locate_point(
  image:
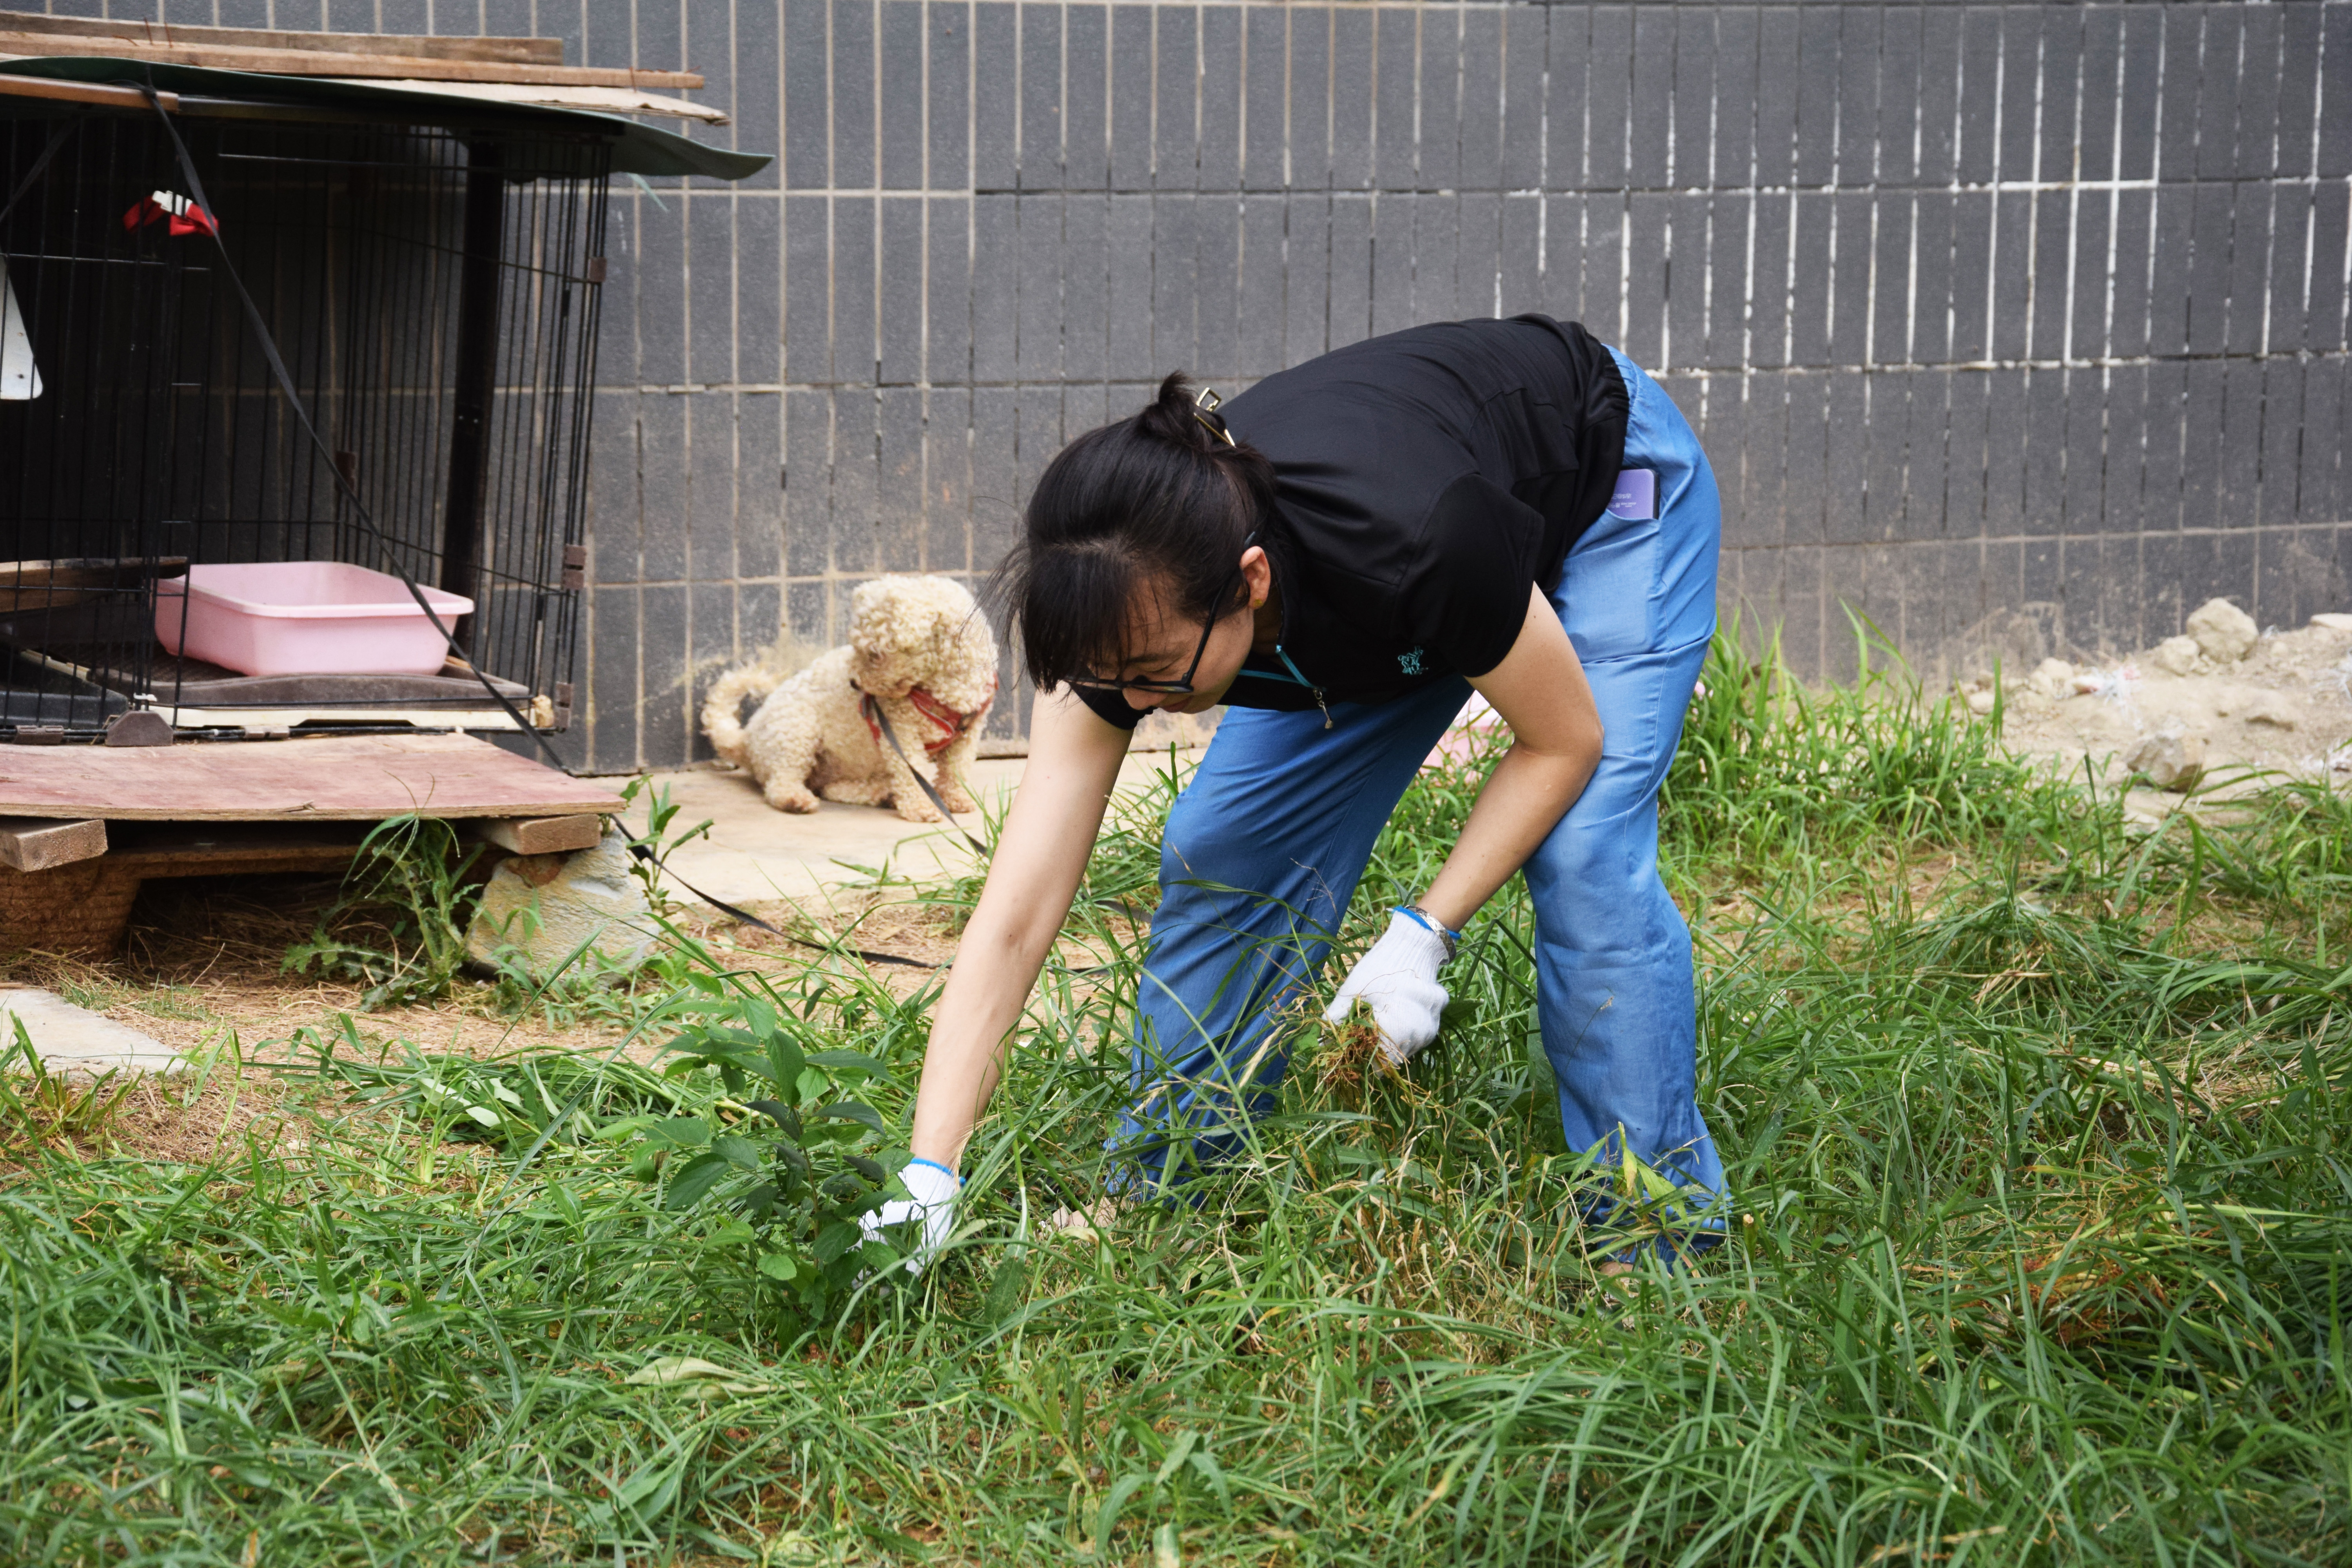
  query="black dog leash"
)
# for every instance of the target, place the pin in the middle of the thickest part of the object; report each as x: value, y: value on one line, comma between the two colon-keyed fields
x: 871, y: 708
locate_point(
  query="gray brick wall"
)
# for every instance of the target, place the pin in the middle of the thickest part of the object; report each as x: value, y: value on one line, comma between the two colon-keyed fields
x: 2016, y: 325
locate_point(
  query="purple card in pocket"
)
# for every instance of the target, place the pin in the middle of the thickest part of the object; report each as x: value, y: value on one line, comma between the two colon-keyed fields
x: 1636, y: 497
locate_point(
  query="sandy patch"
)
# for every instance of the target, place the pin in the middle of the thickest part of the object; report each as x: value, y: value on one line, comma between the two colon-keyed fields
x: 2284, y: 709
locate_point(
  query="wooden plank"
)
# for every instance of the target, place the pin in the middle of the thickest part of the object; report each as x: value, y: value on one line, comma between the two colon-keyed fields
x: 353, y: 778
x: 527, y: 51
x: 236, y: 859
x: 34, y: 844
x: 82, y: 92
x: 146, y: 849
x: 322, y: 62
x: 543, y: 835
x: 196, y: 684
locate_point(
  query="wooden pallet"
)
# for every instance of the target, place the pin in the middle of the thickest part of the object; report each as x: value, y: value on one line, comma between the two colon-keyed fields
x: 81, y: 828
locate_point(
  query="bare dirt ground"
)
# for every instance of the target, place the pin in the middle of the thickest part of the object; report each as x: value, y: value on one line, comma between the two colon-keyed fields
x: 203, y: 971
x: 2284, y: 709
x: 206, y: 956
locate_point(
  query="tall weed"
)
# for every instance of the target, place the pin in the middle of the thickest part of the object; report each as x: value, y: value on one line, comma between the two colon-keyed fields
x: 409, y: 879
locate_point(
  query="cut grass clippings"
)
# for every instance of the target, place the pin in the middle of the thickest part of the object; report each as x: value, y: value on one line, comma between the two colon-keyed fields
x: 2037, y: 1127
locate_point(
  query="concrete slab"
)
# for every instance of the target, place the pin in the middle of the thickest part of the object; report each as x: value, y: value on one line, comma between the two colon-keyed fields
x: 74, y: 1039
x: 754, y: 853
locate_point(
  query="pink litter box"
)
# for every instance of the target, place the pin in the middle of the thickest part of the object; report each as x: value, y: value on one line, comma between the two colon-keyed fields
x: 304, y: 617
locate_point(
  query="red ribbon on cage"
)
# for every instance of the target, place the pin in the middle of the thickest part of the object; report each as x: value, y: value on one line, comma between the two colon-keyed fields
x: 184, y: 216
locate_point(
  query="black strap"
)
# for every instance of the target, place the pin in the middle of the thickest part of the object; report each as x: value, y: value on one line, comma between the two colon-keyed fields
x: 645, y: 851
x: 872, y: 709
x: 637, y: 846
x: 57, y: 139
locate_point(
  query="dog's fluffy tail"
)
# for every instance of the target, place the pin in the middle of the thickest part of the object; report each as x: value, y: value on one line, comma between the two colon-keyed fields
x: 722, y: 711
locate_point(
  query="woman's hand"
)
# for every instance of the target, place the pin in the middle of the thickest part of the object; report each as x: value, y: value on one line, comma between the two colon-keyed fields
x: 1074, y: 760
x: 1397, y: 980
x: 931, y: 1201
x: 1540, y: 690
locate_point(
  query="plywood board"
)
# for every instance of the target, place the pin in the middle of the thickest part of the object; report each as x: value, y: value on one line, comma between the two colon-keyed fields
x: 236, y: 860
x: 604, y: 99
x: 196, y: 684
x: 354, y: 778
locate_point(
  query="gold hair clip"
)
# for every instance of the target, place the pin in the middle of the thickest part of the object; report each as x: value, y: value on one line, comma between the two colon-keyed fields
x: 1204, y: 409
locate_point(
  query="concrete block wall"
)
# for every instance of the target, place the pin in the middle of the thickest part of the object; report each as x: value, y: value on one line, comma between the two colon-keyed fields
x: 2016, y: 327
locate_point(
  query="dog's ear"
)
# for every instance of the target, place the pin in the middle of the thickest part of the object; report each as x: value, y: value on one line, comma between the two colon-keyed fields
x: 947, y: 622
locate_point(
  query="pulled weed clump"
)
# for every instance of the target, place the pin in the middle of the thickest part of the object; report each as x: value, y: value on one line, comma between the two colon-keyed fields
x: 2036, y: 1126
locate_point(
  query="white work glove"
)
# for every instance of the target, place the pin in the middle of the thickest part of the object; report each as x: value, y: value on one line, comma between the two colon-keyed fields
x: 935, y: 1188
x: 1398, y: 981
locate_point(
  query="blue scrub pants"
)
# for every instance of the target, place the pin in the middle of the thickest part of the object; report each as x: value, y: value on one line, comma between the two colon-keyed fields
x: 1264, y: 848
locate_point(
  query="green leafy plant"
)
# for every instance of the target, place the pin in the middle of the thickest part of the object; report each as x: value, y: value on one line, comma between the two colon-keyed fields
x: 660, y: 839
x: 409, y: 875
x: 787, y: 1151
x: 515, y: 1102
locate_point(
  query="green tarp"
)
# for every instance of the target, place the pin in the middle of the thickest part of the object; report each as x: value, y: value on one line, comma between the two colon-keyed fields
x: 637, y: 149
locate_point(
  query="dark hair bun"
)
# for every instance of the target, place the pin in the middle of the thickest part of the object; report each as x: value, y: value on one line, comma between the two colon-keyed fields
x: 1175, y: 415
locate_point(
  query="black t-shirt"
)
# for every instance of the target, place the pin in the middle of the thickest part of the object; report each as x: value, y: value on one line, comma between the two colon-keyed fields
x: 1425, y: 481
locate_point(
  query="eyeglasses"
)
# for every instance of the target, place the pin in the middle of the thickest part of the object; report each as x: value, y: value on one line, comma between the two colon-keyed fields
x: 1181, y: 687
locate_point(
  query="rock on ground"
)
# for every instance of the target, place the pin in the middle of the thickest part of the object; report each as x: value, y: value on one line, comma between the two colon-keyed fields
x: 2225, y: 633
x: 542, y: 908
x: 2179, y: 655
x: 2052, y: 679
x: 2170, y: 761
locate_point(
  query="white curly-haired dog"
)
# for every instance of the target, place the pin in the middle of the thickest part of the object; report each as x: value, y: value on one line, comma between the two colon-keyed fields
x: 919, y: 650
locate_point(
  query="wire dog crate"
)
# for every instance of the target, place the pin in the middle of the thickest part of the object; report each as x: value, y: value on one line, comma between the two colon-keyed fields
x: 432, y: 291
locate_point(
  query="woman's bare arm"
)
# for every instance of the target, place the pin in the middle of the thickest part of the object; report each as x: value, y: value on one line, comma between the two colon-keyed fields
x: 1074, y: 760
x: 1540, y: 691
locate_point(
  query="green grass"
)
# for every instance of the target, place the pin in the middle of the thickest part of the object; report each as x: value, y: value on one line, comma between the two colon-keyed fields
x: 2039, y: 1129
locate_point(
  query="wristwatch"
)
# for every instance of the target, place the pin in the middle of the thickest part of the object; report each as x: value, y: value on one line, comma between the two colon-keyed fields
x: 1429, y: 923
